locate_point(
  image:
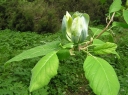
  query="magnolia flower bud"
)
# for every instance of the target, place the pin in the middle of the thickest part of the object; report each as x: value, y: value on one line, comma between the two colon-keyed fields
x: 75, y: 27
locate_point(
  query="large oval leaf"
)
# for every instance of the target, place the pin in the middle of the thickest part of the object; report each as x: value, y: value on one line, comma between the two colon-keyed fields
x: 115, y: 6
x: 105, y: 48
x: 36, y: 51
x: 102, y: 77
x: 44, y: 70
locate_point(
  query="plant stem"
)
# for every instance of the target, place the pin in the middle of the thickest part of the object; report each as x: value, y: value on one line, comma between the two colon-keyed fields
x: 106, y: 26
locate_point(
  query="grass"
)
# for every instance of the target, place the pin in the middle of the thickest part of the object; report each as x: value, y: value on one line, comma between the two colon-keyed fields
x: 15, y: 79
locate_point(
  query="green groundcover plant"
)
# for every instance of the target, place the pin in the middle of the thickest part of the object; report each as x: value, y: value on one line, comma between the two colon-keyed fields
x: 101, y: 75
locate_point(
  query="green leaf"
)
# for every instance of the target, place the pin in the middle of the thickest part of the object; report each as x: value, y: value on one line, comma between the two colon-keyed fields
x: 115, y: 6
x: 97, y: 42
x: 118, y: 14
x: 63, y: 54
x: 102, y: 77
x: 36, y: 51
x: 105, y: 48
x: 117, y: 55
x: 44, y: 70
x: 68, y: 46
x: 97, y: 31
x: 125, y: 15
x: 119, y: 24
x: 110, y: 38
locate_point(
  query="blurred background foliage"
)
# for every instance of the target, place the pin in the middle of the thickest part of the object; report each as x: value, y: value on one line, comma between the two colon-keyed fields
x: 46, y: 15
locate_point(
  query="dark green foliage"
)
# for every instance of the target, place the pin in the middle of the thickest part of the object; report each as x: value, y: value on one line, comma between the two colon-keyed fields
x: 15, y: 78
x: 94, y: 8
x: 122, y: 64
x: 20, y: 22
x: 45, y: 15
x: 11, y: 44
x: 2, y: 19
x: 28, y: 16
x: 70, y: 79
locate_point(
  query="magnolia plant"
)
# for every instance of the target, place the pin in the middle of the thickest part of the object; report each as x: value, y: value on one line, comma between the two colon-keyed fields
x: 100, y: 74
x: 75, y: 27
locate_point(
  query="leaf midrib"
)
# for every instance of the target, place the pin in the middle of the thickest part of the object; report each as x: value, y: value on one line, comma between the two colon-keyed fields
x: 42, y: 67
x: 104, y: 72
